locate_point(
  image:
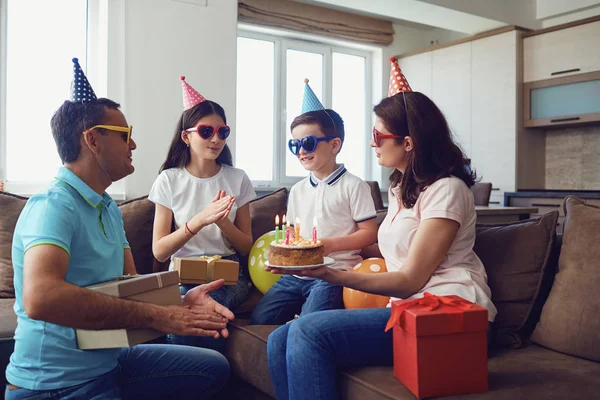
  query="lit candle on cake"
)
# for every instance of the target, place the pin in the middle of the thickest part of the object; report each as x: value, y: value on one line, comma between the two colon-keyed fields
x: 287, y: 233
x: 297, y: 229
x: 277, y: 228
x: 314, y: 230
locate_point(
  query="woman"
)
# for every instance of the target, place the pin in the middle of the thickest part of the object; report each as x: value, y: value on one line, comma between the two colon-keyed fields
x: 426, y: 240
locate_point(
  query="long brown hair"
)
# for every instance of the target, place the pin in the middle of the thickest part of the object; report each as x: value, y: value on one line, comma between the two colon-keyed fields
x: 179, y: 154
x: 435, y: 155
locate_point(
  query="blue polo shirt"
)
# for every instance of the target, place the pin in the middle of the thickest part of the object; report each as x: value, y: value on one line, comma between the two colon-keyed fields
x: 89, y: 227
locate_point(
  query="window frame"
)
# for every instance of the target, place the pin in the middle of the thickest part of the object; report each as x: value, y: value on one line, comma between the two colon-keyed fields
x: 96, y: 69
x: 325, y: 47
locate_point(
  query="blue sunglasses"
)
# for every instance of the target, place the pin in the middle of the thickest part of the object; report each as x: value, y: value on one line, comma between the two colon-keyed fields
x: 308, y: 143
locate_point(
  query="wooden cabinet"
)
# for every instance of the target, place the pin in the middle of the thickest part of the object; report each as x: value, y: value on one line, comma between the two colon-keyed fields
x: 494, y: 102
x: 563, y: 52
x: 451, y: 89
x: 572, y: 100
x: 418, y: 68
x: 478, y: 86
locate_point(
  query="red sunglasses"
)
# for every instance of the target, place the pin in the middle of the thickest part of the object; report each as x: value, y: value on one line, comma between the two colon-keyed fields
x: 207, y: 131
x: 377, y: 136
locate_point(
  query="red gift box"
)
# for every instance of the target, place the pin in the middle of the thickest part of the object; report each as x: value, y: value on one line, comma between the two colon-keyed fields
x: 440, y: 345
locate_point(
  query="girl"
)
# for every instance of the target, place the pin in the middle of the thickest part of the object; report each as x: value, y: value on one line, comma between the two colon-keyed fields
x: 205, y: 198
x: 426, y: 239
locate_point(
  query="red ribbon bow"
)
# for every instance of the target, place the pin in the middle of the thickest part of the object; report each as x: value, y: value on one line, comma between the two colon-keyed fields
x: 429, y: 302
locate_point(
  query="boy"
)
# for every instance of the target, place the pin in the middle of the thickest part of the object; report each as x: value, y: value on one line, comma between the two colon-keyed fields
x: 340, y: 201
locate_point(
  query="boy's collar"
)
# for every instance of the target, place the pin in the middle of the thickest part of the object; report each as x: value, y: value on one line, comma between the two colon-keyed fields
x: 331, y: 179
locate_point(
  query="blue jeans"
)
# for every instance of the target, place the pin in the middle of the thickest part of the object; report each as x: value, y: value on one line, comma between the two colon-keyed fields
x: 231, y: 296
x: 290, y: 296
x: 305, y: 355
x: 151, y: 371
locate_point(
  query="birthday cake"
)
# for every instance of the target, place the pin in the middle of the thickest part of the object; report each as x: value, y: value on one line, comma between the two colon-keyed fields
x: 296, y: 253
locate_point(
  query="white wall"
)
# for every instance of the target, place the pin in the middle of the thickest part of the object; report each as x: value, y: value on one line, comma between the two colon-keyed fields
x: 163, y: 39
x: 570, y: 17
x: 512, y: 12
x: 551, y: 8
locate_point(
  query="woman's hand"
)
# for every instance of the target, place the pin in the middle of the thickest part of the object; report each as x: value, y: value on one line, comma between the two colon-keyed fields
x: 318, y: 273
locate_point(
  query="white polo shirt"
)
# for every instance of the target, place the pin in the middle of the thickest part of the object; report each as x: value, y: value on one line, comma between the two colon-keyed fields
x: 187, y: 195
x: 461, y: 273
x: 339, y: 202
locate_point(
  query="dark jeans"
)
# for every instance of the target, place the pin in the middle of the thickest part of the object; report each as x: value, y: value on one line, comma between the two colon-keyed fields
x: 231, y: 296
x: 148, y: 371
x: 290, y: 296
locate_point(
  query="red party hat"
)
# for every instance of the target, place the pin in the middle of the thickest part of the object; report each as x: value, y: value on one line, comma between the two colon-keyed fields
x: 398, y: 82
x: 190, y: 96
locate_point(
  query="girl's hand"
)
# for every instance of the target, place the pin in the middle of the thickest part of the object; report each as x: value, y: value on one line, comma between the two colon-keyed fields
x: 215, y: 211
x: 221, y: 194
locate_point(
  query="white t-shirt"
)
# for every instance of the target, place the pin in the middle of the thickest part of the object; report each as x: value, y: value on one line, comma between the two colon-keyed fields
x: 186, y: 196
x: 462, y: 272
x: 339, y: 202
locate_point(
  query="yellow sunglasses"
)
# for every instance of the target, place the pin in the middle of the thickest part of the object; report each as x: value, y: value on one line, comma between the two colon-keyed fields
x: 114, y: 128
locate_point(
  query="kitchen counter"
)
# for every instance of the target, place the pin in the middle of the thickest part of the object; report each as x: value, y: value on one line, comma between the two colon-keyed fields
x: 501, y: 215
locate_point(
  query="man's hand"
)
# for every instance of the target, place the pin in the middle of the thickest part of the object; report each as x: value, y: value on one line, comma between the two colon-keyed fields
x: 199, y: 299
x: 188, y: 321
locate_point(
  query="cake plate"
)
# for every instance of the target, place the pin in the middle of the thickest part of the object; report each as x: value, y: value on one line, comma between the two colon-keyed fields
x: 327, y: 261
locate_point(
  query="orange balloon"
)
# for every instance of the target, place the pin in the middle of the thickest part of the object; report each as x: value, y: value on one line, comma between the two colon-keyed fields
x: 357, y: 299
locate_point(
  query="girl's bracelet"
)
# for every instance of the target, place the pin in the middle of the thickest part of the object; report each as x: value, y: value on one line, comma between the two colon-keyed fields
x: 187, y: 228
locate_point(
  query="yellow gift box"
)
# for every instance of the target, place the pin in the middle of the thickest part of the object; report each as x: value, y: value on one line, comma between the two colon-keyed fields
x: 204, y: 269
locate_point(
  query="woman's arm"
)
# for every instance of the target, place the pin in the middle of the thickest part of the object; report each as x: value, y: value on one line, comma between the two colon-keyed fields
x: 239, y: 233
x: 427, y: 251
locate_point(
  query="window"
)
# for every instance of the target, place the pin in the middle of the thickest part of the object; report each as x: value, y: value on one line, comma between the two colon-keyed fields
x: 37, y: 68
x: 270, y: 87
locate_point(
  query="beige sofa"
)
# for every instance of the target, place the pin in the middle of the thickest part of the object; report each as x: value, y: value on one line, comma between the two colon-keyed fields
x: 546, y: 340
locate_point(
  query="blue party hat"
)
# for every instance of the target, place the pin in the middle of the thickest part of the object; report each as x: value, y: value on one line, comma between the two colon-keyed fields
x: 81, y: 90
x: 310, y: 102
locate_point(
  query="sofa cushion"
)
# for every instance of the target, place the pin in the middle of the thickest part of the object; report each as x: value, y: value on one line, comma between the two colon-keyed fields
x: 138, y: 221
x: 11, y: 206
x: 263, y: 210
x: 517, y: 258
x: 246, y: 350
x: 532, y: 372
x: 8, y: 319
x: 570, y: 318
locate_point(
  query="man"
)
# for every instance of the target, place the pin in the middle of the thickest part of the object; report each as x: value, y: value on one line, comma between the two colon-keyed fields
x: 72, y: 236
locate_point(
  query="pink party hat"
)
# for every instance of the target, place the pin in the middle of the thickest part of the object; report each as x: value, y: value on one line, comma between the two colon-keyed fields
x: 398, y: 82
x: 190, y: 96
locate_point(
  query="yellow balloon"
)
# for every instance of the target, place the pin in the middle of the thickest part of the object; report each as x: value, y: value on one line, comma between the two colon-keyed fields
x: 263, y: 280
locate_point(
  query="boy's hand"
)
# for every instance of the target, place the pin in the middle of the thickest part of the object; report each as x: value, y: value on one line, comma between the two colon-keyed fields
x: 327, y: 246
